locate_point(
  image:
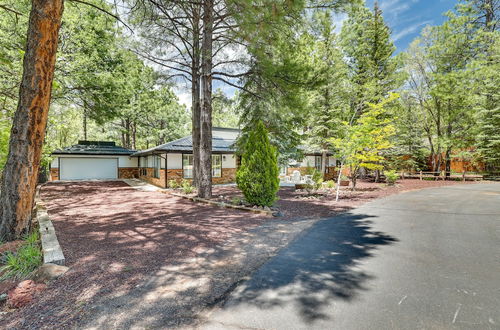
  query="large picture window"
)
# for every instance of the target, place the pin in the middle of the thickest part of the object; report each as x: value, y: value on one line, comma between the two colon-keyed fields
x: 187, y: 166
x: 216, y: 166
x: 156, y: 166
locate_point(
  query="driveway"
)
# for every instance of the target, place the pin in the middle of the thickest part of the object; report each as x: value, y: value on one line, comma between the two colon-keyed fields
x: 427, y: 259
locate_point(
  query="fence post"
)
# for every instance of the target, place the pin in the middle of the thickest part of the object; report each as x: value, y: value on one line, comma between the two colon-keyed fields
x: 463, y: 176
x: 420, y: 175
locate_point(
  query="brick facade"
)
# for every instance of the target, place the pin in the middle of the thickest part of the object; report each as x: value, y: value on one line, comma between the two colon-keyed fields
x: 160, y: 182
x: 128, y: 172
x: 228, y: 176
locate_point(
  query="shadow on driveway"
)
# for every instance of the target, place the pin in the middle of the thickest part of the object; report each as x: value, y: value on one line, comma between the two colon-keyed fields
x: 316, y: 270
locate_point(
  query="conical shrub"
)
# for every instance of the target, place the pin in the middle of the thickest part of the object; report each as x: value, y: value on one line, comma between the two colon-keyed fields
x: 257, y: 176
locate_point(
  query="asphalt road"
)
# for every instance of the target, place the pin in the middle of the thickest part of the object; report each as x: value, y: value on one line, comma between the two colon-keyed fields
x: 427, y: 259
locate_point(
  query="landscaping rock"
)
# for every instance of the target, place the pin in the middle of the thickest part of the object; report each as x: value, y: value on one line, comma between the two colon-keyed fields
x: 48, y: 272
x: 266, y: 208
x: 23, y: 293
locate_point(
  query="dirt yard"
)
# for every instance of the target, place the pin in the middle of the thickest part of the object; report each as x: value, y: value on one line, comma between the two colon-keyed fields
x: 115, y: 237
x: 294, y: 204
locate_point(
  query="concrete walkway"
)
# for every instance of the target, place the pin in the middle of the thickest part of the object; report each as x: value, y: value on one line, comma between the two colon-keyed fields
x: 141, y: 185
x: 427, y: 259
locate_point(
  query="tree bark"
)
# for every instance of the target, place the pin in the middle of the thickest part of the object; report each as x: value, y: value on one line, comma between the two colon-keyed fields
x: 205, y: 173
x: 324, y: 158
x: 85, y: 124
x: 448, y: 162
x: 195, y: 94
x: 30, y: 121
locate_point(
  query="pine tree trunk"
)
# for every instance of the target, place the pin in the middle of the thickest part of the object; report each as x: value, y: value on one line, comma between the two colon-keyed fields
x: 85, y: 124
x: 195, y: 95
x: 205, y: 173
x: 134, y: 135
x: 324, y: 158
x: 127, y: 133
x: 448, y: 162
x: 30, y: 121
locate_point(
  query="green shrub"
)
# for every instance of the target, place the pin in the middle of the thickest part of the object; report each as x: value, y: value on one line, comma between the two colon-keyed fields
x: 317, y: 179
x: 24, y: 261
x: 330, y: 184
x: 344, y: 177
x: 257, y: 176
x: 391, y: 177
x: 173, y: 184
x: 187, y: 188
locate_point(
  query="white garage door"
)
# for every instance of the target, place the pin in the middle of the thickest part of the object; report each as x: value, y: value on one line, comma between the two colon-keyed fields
x: 88, y: 168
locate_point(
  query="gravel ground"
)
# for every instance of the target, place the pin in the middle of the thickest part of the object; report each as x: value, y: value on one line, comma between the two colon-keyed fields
x: 113, y: 237
x: 297, y: 204
x: 146, y: 259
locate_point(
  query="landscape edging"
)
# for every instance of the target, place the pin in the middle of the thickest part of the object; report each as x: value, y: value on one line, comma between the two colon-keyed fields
x: 222, y: 204
x: 52, y: 252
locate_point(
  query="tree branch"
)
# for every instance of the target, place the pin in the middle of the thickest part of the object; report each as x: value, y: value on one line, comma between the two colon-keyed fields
x: 104, y: 11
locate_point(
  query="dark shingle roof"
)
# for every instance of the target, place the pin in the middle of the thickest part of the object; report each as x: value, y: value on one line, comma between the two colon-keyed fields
x: 219, y: 144
x: 94, y: 148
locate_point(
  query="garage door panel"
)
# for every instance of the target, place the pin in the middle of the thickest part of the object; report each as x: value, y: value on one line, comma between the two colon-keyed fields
x: 88, y: 168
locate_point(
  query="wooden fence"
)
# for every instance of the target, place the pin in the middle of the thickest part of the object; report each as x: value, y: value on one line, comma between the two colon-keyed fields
x: 464, y: 176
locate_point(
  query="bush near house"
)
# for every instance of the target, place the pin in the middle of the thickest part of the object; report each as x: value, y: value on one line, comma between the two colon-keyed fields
x: 391, y: 177
x: 257, y: 176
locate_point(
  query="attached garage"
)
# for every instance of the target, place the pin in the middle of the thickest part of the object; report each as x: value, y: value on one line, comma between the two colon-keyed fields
x: 88, y: 168
x: 93, y: 160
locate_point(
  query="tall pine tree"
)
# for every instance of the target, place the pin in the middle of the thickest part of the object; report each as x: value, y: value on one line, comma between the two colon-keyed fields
x: 369, y: 51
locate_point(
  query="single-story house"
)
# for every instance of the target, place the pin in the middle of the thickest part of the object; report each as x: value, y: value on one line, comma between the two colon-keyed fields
x: 174, y: 160
x: 159, y: 165
x: 93, y: 160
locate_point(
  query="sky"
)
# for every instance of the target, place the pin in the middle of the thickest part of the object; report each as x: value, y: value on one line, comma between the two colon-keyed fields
x: 406, y: 18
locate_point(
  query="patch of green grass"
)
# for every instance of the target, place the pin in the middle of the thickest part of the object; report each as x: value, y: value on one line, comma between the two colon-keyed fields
x: 24, y: 261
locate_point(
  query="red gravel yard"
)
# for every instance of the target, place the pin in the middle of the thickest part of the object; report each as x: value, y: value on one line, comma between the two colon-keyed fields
x: 113, y: 236
x: 299, y: 204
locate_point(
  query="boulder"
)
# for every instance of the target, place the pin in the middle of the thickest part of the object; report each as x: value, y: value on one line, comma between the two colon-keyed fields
x: 23, y: 293
x: 48, y: 272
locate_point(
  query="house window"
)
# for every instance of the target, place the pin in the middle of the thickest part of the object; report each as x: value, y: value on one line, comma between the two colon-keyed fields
x: 187, y: 166
x: 216, y: 166
x: 144, y: 166
x: 156, y: 166
x: 317, y: 163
